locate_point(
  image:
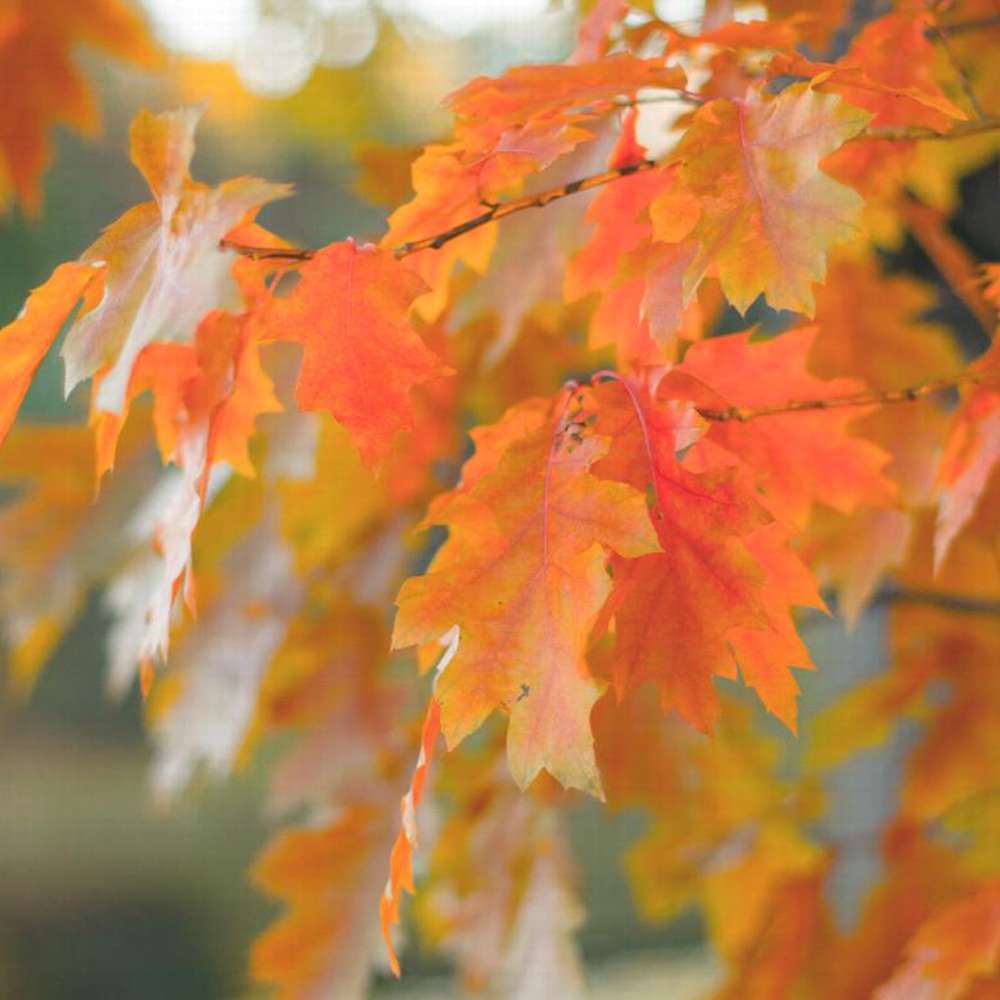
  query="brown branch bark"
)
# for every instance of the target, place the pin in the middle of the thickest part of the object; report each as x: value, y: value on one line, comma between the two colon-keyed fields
x: 502, y: 209
x: 932, y: 598
x: 743, y: 414
x: 972, y: 24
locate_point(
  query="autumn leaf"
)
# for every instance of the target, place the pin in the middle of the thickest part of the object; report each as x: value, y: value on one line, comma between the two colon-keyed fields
x: 25, y: 341
x: 325, y: 876
x: 38, y: 69
x: 523, y: 576
x: 447, y: 194
x: 950, y: 953
x: 641, y: 284
x: 506, y: 129
x: 361, y: 357
x: 873, y: 326
x: 163, y: 268
x: 216, y: 384
x: 560, y: 95
x: 971, y: 450
x: 802, y: 458
x: 245, y: 624
x: 704, y: 603
x: 401, y: 857
x: 888, y: 70
x: 499, y: 895
x: 763, y: 211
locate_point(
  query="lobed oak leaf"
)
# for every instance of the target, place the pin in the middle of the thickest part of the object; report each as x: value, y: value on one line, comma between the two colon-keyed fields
x: 38, y: 42
x: 954, y: 953
x: 510, y: 291
x: 163, y: 267
x: 216, y: 384
x: 617, y: 213
x: 888, y: 70
x: 326, y: 876
x: 802, y: 457
x: 703, y: 604
x: 768, y: 213
x: 763, y: 656
x: 361, y: 357
x: 615, y: 260
x: 523, y: 577
x: 401, y: 856
x: 643, y: 311
x: 488, y: 108
x: 248, y: 394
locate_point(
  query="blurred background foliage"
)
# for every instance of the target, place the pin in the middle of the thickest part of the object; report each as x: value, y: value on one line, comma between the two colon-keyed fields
x: 103, y: 898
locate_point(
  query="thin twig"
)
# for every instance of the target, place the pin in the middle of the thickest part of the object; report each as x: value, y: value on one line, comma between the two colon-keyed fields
x: 682, y: 96
x: 502, y: 209
x: 743, y: 414
x: 963, y: 78
x: 947, y: 602
x: 971, y: 25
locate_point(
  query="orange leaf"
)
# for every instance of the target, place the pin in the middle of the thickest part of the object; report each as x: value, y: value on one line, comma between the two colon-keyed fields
x: 38, y: 42
x: 950, y: 952
x: 971, y: 450
x: 803, y: 457
x: 361, y: 356
x: 25, y: 341
x: 703, y: 604
x: 327, y: 877
x: 523, y: 576
x: 400, y: 860
x: 887, y: 71
x: 768, y: 214
x: 507, y: 129
x: 164, y: 270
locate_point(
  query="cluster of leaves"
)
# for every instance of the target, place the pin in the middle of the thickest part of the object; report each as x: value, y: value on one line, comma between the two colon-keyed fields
x: 279, y: 426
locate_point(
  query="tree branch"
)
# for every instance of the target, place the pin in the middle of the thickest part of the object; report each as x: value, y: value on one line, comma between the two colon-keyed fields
x: 961, y: 27
x: 502, y: 209
x: 743, y: 414
x: 920, y: 133
x: 947, y: 602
